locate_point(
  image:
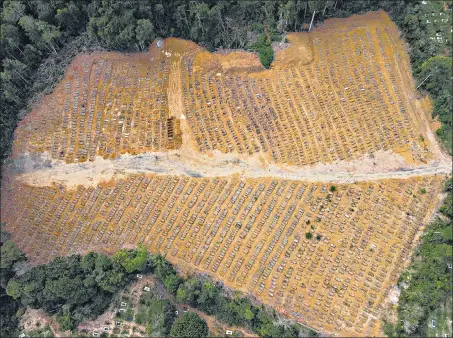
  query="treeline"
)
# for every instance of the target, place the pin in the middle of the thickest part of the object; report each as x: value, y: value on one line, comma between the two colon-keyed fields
x: 73, y: 288
x: 39, y: 38
x: 427, y: 283
x: 203, y: 294
x: 435, y: 74
x: 79, y: 288
x: 31, y: 33
x: 11, y: 260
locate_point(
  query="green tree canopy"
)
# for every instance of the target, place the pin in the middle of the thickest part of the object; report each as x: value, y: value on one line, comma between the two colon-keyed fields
x: 189, y: 325
x: 10, y: 254
x: 144, y: 33
x: 132, y: 260
x: 437, y: 68
x: 13, y: 10
x: 75, y: 287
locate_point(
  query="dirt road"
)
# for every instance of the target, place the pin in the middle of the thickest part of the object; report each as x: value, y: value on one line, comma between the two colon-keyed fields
x: 42, y: 171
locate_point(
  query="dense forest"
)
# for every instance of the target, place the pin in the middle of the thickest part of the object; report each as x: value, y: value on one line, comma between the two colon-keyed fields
x: 12, y: 260
x: 40, y: 38
x: 78, y: 288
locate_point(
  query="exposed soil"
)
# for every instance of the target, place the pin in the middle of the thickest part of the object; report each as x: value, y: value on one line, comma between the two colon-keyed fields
x: 40, y: 170
x: 34, y: 319
x: 201, y: 146
x: 299, y: 51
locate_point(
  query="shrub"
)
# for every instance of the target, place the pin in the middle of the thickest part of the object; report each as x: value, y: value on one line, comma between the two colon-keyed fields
x: 264, y: 49
x: 189, y: 325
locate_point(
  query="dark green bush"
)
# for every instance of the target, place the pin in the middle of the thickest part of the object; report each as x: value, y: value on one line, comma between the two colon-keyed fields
x: 189, y: 324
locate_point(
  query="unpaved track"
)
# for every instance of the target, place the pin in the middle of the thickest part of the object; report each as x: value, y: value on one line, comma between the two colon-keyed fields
x: 41, y: 171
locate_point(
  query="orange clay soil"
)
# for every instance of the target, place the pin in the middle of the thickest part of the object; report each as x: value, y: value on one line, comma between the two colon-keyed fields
x: 227, y: 168
x: 248, y: 233
x: 337, y: 93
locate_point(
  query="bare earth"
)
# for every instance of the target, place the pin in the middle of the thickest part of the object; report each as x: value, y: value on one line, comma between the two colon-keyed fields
x: 226, y: 168
x: 43, y: 171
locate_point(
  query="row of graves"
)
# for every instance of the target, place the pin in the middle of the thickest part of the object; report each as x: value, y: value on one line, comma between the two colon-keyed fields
x: 106, y: 105
x: 350, y: 101
x: 326, y: 254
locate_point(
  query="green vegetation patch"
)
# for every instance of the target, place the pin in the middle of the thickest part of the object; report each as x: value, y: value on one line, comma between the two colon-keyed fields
x: 439, y: 85
x: 189, y: 324
x: 427, y: 283
x: 436, y: 17
x: 76, y: 288
x: 439, y: 321
x: 264, y: 49
x: 156, y: 314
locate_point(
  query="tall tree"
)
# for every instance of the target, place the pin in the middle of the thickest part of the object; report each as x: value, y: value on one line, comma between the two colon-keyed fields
x: 144, y: 33
x: 42, y: 34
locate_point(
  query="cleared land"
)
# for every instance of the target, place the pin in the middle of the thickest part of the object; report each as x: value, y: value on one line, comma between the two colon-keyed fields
x: 349, y: 97
x: 306, y: 185
x: 251, y: 234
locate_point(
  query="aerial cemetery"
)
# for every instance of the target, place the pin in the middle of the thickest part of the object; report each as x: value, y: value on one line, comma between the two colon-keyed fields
x: 324, y: 253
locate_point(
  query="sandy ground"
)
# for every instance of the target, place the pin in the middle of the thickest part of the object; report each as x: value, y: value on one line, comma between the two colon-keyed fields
x: 43, y: 171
